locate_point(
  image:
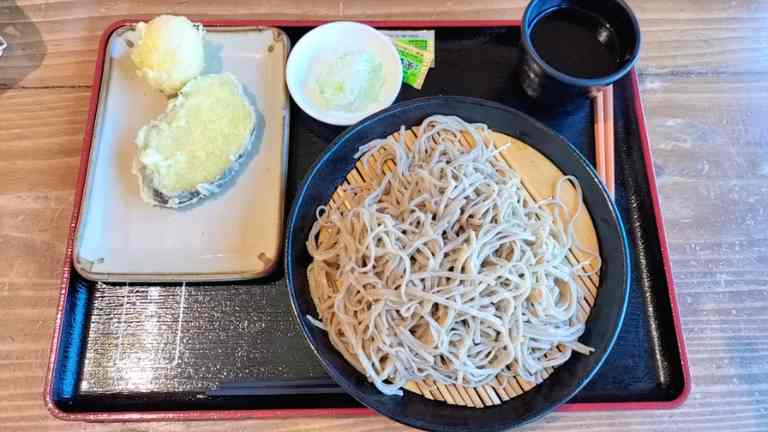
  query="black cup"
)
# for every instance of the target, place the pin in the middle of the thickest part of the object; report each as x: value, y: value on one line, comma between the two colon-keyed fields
x: 616, y: 24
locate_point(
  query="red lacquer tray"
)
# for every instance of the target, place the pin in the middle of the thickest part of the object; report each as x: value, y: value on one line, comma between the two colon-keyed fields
x: 154, y: 352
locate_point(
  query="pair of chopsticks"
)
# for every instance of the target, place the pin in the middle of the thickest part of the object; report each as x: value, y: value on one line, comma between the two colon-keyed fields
x: 604, y: 156
x: 277, y: 387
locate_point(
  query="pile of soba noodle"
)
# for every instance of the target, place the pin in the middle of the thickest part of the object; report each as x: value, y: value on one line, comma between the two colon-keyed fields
x: 440, y: 267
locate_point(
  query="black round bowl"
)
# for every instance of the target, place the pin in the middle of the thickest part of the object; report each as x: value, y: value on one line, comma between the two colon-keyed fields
x: 549, y: 85
x: 604, y: 321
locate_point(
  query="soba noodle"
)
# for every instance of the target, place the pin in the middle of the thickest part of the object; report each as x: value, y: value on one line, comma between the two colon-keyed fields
x: 441, y: 268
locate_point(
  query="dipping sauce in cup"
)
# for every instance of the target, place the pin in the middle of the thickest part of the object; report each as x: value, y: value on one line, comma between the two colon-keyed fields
x: 573, y: 47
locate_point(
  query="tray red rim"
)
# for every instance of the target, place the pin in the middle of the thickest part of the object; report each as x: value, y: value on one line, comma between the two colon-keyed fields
x: 56, y: 412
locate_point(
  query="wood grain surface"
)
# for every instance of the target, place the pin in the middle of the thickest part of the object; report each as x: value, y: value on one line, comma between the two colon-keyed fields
x: 704, y: 76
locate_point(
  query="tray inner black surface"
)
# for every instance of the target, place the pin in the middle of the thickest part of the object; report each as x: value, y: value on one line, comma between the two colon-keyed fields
x: 142, y: 347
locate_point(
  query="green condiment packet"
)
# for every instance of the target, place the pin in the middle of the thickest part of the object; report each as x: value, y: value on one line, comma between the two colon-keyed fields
x: 420, y: 39
x: 415, y: 63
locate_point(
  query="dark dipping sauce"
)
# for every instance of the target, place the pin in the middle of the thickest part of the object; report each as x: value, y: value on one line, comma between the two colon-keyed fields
x: 576, y: 42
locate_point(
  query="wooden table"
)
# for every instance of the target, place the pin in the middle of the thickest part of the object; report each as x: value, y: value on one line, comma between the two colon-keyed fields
x: 704, y: 76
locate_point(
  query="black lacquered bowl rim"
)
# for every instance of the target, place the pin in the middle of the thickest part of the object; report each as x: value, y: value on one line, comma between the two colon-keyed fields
x: 525, y: 35
x: 403, y: 409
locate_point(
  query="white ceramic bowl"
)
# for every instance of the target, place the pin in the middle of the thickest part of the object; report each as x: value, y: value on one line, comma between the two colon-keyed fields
x: 336, y: 37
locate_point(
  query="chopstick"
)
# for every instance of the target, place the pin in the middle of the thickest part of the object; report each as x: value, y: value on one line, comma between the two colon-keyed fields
x: 277, y: 387
x: 610, y: 161
x: 604, y: 134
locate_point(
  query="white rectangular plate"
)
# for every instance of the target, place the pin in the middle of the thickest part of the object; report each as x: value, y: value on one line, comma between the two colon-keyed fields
x: 236, y: 234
